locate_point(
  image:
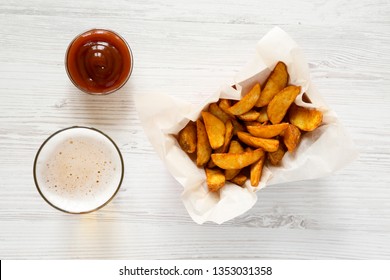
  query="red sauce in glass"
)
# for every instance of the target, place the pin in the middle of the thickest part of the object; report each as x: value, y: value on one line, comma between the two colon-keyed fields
x: 99, y: 61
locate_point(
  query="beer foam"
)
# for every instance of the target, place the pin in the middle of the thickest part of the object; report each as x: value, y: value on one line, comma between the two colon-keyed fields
x: 78, y: 169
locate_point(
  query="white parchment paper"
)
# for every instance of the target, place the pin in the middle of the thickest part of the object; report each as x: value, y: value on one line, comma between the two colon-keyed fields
x: 319, y: 153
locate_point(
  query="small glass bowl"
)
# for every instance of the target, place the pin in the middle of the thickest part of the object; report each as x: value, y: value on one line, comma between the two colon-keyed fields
x: 97, y: 39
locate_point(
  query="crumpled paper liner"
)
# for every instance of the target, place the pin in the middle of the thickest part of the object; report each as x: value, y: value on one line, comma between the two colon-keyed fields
x: 319, y: 153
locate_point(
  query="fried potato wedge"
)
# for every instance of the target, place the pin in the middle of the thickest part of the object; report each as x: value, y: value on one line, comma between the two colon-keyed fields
x: 235, y: 148
x: 215, y: 179
x: 203, y: 148
x: 276, y: 82
x: 276, y: 157
x: 247, y: 102
x: 215, y: 129
x: 223, y: 116
x: 228, y: 137
x: 263, y: 116
x: 291, y: 137
x: 187, y: 138
x: 239, y: 180
x: 237, y: 161
x: 225, y: 104
x: 252, y: 115
x: 279, y: 105
x: 269, y: 145
x: 231, y: 173
x: 256, y: 170
x: 218, y: 112
x: 255, y: 123
x: 305, y: 119
x: 267, y: 131
x: 237, y: 126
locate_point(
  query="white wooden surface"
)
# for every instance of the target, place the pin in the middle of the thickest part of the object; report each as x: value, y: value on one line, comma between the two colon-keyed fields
x: 187, y: 49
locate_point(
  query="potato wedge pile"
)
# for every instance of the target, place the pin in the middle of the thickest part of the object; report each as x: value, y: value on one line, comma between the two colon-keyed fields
x: 232, y: 140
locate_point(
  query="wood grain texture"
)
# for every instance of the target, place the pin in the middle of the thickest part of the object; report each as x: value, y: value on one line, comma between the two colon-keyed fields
x: 187, y: 49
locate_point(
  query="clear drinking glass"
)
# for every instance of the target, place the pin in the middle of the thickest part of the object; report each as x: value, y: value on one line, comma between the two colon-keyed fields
x: 78, y: 169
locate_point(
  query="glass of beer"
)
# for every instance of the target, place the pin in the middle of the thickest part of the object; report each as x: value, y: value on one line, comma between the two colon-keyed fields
x: 78, y: 170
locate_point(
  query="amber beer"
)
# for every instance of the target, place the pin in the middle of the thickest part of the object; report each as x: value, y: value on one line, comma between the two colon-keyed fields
x: 78, y: 170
